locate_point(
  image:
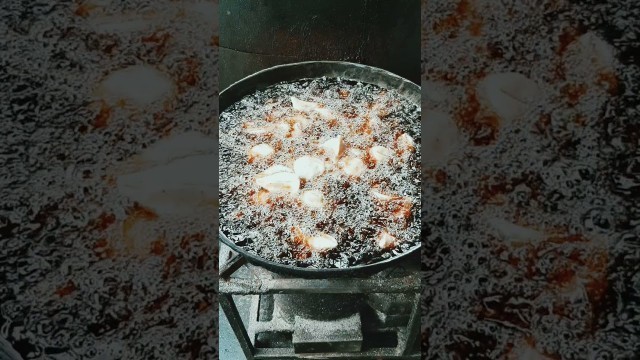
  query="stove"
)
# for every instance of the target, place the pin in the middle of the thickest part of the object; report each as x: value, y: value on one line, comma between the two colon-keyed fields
x: 373, y: 317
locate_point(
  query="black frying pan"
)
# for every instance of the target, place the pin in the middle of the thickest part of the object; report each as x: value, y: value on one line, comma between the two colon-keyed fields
x: 315, y: 69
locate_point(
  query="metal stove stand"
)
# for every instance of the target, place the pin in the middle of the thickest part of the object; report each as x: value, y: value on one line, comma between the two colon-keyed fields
x: 386, y: 326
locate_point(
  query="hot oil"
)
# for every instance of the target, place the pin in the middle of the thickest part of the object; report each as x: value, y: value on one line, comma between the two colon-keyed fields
x: 349, y: 214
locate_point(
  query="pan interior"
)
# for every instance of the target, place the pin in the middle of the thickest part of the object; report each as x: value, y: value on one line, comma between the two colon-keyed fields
x: 361, y: 90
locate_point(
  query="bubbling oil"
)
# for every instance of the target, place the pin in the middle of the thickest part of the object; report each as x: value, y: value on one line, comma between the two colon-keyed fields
x: 364, y: 115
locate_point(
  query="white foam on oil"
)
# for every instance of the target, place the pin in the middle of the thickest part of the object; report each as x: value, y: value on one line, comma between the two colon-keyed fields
x: 349, y: 119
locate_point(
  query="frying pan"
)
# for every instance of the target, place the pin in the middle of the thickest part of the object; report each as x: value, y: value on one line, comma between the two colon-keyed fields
x: 316, y: 69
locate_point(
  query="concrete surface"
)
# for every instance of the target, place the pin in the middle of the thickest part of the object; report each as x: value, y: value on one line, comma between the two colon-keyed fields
x: 229, y: 346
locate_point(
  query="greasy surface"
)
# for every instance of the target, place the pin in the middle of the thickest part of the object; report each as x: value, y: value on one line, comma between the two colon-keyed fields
x: 263, y: 222
x: 566, y: 170
x: 85, y: 273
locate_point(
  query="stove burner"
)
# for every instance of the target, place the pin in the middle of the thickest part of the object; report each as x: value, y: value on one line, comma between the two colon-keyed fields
x: 340, y: 318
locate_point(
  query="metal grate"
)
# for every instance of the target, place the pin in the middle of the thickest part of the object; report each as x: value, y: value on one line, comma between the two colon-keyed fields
x: 268, y: 337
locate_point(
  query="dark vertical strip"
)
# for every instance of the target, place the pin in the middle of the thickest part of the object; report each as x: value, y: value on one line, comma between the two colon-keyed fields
x: 216, y: 222
x: 235, y: 320
x: 425, y: 189
x: 413, y: 330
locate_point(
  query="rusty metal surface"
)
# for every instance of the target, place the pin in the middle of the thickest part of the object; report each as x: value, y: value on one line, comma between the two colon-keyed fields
x: 319, y: 286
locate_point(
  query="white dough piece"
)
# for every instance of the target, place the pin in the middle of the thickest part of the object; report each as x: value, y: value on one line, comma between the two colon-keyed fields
x: 308, y: 167
x: 322, y: 242
x: 279, y: 179
x: 509, y: 94
x: 441, y: 137
x: 312, y: 199
x: 311, y: 107
x: 334, y: 148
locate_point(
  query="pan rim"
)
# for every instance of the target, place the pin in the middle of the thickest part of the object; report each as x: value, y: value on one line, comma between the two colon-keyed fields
x: 407, y: 88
